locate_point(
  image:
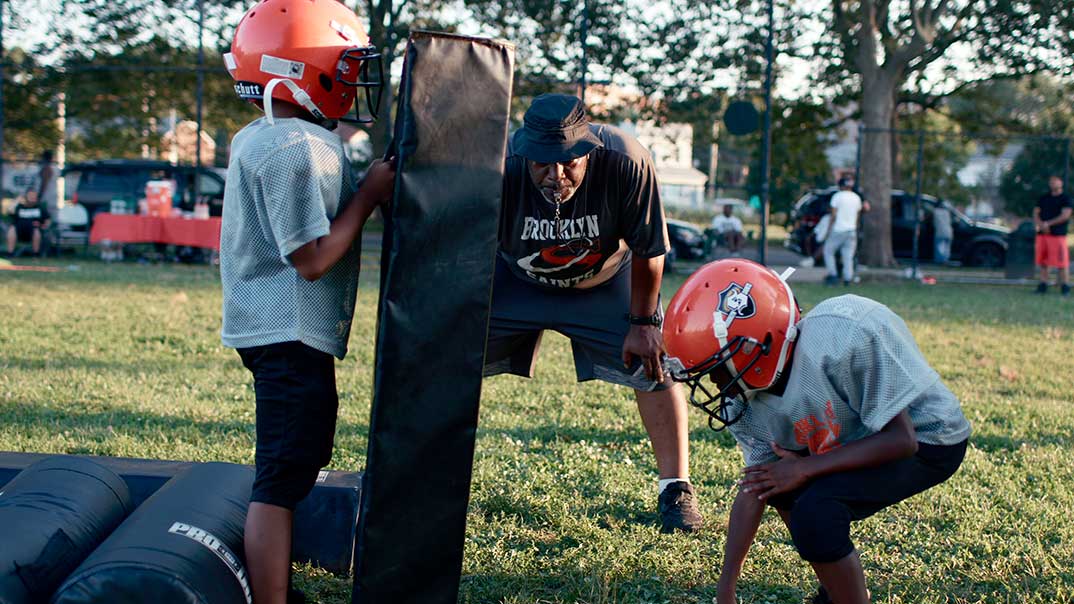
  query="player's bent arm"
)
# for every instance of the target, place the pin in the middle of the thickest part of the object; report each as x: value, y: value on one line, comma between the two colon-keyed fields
x: 897, y: 440
x: 315, y: 258
x: 742, y: 527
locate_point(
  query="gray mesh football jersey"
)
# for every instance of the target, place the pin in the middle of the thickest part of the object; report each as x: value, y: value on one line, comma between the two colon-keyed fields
x: 856, y: 366
x: 285, y: 182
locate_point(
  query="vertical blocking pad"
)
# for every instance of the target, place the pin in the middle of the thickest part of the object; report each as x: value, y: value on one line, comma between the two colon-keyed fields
x: 436, y: 283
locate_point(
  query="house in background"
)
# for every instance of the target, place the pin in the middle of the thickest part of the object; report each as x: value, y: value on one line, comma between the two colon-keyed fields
x: 181, y: 145
x: 672, y: 148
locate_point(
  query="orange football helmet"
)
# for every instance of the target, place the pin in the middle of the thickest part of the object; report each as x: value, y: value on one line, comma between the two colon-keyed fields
x: 734, y: 321
x: 318, y: 50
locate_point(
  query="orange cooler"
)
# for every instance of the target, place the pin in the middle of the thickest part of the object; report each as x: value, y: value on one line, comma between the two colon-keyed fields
x: 158, y: 197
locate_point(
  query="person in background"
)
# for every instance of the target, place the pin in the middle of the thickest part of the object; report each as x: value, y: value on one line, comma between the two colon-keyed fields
x: 842, y: 234
x: 1051, y: 217
x: 31, y: 219
x: 941, y: 225
x: 729, y: 227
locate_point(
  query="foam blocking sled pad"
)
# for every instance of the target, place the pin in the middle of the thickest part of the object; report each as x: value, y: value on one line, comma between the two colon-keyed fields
x: 325, y: 521
x: 181, y: 546
x: 52, y: 515
x: 436, y: 283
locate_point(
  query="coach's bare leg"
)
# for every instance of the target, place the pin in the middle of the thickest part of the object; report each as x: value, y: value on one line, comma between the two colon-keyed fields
x: 1064, y: 275
x: 268, y: 552
x: 1044, y: 274
x: 11, y: 240
x: 664, y: 415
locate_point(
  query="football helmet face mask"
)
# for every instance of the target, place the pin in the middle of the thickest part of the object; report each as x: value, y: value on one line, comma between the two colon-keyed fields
x: 312, y: 53
x: 734, y: 322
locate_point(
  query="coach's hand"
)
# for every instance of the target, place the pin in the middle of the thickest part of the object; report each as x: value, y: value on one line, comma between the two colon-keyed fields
x: 645, y: 342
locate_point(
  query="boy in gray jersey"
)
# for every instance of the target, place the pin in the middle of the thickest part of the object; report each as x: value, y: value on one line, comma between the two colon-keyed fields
x: 288, y: 265
x: 837, y: 413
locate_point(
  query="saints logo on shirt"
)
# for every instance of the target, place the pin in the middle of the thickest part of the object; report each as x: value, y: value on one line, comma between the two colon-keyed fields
x: 736, y: 303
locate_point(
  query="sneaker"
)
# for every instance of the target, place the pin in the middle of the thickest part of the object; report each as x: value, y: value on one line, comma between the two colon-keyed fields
x: 821, y: 597
x: 846, y: 282
x: 1065, y: 290
x: 831, y: 280
x: 678, y: 509
x: 807, y: 262
x: 1042, y: 288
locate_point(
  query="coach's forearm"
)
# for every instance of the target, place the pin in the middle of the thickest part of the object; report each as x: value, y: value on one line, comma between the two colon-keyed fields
x: 645, y: 276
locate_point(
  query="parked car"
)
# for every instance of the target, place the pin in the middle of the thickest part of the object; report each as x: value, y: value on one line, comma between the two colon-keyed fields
x: 974, y: 243
x: 686, y: 239
x: 94, y: 184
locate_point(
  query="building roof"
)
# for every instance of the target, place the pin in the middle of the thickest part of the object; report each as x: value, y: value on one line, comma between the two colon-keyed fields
x: 678, y: 175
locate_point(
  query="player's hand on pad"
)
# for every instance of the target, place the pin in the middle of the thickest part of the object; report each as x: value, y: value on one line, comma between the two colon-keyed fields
x: 777, y: 477
x: 379, y: 182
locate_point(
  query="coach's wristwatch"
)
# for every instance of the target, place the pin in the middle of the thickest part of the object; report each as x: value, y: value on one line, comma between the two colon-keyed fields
x: 655, y: 319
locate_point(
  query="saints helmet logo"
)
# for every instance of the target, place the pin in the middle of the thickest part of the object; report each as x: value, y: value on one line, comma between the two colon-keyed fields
x: 736, y: 303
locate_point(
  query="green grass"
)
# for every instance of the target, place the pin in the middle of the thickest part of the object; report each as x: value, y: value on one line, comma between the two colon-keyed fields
x: 125, y: 360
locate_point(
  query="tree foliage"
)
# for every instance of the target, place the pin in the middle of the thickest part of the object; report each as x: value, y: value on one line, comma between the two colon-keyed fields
x: 29, y: 115
x: 798, y: 160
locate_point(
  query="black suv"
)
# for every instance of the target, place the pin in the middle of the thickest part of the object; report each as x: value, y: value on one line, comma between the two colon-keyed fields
x: 973, y: 243
x: 101, y: 181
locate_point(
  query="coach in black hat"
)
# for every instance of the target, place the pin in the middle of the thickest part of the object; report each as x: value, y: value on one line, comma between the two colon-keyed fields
x: 582, y: 244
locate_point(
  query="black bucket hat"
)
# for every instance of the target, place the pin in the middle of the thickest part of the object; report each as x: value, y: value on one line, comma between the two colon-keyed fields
x: 554, y: 129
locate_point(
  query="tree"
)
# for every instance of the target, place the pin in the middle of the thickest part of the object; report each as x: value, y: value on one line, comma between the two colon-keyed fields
x: 944, y: 154
x: 798, y: 159
x: 29, y: 111
x: 884, y: 46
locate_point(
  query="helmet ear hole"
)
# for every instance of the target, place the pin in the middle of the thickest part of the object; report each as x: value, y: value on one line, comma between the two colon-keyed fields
x: 326, y: 82
x: 766, y: 346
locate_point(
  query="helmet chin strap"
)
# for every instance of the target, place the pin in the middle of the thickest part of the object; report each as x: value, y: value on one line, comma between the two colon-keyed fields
x: 299, y: 95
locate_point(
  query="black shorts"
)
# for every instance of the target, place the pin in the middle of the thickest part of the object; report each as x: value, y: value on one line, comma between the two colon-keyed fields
x: 821, y: 511
x: 295, y: 386
x: 593, y: 319
x: 24, y: 231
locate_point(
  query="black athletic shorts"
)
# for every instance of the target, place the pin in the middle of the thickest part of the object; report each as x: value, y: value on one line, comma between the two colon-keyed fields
x: 24, y: 231
x: 593, y: 319
x: 822, y: 510
x: 295, y: 387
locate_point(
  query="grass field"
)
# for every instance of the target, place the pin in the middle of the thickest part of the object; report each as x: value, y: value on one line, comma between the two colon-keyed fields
x: 125, y: 360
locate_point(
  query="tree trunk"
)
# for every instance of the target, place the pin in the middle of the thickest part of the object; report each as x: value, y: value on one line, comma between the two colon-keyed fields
x: 380, y: 131
x: 896, y: 148
x: 380, y: 36
x: 877, y: 109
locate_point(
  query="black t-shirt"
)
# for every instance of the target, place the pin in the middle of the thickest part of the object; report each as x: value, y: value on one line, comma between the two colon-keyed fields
x: 615, y: 212
x: 1050, y: 207
x: 26, y: 216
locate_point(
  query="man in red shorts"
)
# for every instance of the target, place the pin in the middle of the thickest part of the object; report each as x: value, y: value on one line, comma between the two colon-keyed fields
x: 1051, y: 216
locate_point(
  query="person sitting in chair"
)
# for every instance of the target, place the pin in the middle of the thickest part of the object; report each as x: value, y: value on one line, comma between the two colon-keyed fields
x: 729, y: 229
x: 30, y: 221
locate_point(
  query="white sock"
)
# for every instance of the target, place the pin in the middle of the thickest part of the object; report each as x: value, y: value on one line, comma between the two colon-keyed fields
x: 664, y: 482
